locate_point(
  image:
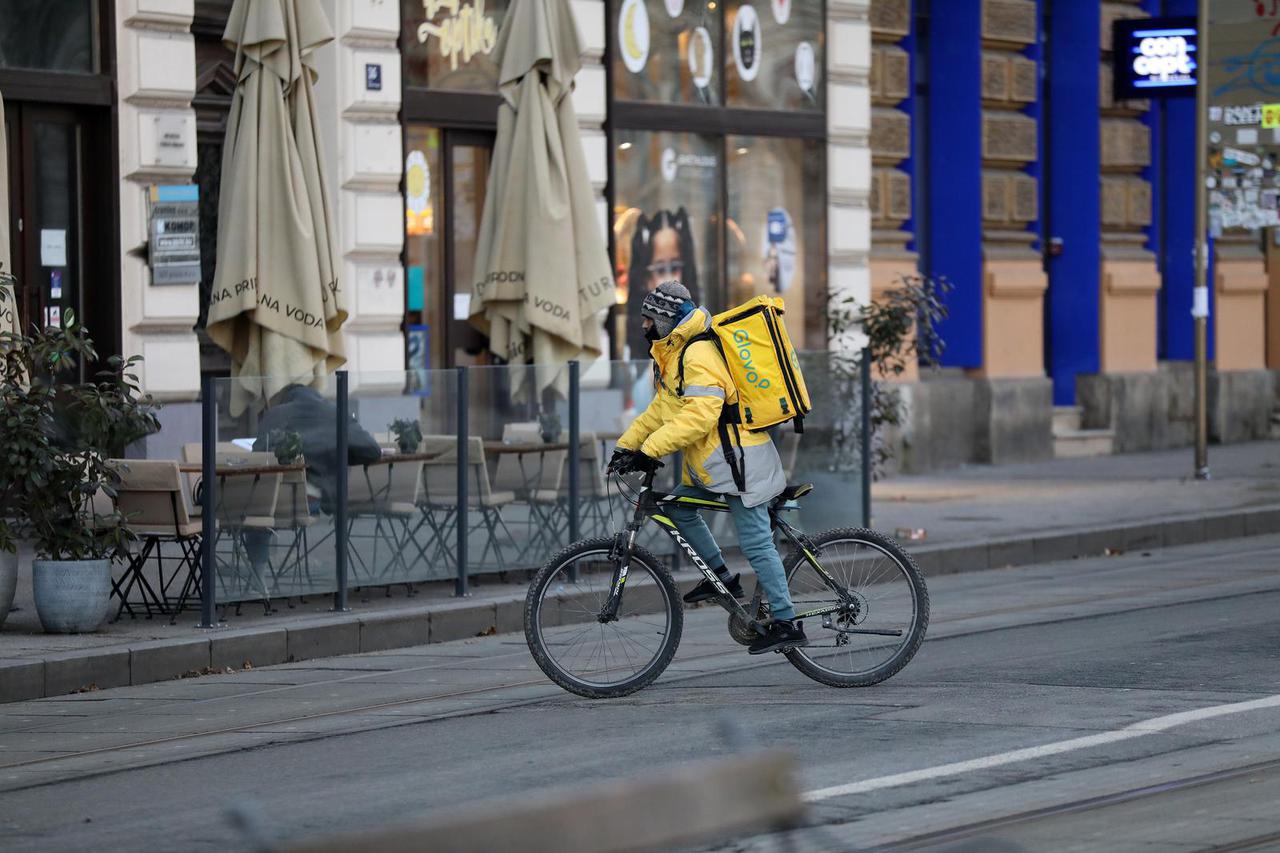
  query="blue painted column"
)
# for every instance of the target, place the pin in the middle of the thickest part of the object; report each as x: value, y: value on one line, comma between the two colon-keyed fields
x: 1072, y: 188
x: 954, y: 157
x: 1177, y: 212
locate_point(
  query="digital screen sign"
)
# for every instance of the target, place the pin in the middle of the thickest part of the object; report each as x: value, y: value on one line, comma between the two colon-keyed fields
x: 1154, y: 57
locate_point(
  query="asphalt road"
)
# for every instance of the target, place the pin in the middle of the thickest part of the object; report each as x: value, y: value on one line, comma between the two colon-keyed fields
x: 1123, y: 703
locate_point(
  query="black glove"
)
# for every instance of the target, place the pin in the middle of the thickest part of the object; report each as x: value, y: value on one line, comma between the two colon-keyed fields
x: 646, y: 464
x: 619, y: 462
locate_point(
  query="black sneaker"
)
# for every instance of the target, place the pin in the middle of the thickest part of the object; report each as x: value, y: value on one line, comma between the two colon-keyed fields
x: 705, y: 591
x: 782, y: 635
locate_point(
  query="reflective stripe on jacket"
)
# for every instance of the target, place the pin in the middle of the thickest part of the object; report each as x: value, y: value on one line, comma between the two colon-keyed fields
x: 690, y: 422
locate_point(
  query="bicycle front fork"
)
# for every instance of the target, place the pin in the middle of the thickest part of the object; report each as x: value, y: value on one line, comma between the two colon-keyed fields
x: 620, y: 556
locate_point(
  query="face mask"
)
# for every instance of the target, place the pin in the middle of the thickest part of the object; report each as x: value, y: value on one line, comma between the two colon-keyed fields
x: 651, y: 334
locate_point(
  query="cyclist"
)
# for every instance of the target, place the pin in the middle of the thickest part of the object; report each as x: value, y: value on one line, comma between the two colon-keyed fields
x: 741, y: 466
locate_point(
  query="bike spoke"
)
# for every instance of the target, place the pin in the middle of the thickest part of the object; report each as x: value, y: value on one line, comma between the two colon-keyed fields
x: 872, y: 619
x: 601, y: 654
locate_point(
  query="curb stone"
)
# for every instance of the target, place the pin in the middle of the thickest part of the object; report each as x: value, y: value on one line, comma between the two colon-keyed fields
x: 351, y: 633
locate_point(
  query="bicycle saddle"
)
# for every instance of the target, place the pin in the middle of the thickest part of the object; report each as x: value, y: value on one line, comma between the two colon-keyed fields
x: 795, y: 492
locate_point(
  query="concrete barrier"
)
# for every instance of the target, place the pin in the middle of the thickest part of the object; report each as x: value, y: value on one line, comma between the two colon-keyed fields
x: 699, y: 802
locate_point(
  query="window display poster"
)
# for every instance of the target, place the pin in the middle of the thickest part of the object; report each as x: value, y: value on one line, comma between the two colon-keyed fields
x: 776, y: 244
x: 774, y: 54
x: 665, y: 222
x: 666, y: 51
x: 418, y: 359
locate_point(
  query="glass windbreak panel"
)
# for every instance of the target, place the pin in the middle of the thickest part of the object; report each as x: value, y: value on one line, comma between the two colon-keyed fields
x: 48, y: 35
x: 666, y: 222
x: 666, y: 51
x: 828, y: 452
x: 426, y: 312
x: 402, y: 481
x: 773, y: 56
x: 519, y: 462
x: 448, y: 44
x: 777, y: 229
x: 614, y: 393
x: 275, y: 491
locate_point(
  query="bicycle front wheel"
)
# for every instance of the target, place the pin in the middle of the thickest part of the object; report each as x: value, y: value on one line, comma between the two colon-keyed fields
x: 602, y: 660
x: 874, y: 632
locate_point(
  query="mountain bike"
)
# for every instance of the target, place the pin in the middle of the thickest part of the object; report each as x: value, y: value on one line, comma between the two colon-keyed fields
x: 603, y: 617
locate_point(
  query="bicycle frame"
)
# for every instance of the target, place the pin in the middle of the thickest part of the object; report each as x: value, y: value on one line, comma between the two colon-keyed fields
x: 651, y: 506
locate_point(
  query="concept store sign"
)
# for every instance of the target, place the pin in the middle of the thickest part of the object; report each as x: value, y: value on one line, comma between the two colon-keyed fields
x: 462, y: 32
x: 1154, y: 57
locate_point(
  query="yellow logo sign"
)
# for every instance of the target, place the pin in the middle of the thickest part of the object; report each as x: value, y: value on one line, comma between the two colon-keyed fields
x: 465, y: 31
x: 1270, y: 115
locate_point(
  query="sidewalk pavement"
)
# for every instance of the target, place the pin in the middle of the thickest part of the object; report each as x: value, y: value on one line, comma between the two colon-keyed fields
x: 974, y: 518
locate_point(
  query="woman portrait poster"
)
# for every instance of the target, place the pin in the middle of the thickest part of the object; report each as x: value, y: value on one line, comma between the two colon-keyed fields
x: 661, y: 250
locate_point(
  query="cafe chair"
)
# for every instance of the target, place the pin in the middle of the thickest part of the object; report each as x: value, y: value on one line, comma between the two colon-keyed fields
x: 293, y: 515
x: 385, y: 492
x: 152, y: 498
x: 439, y: 505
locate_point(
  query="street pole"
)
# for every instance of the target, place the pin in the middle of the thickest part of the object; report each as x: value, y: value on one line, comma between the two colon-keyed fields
x: 1200, y: 305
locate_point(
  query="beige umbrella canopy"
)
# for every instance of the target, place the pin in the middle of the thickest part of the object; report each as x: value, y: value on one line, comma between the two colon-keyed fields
x: 542, y: 268
x: 8, y: 299
x: 276, y: 305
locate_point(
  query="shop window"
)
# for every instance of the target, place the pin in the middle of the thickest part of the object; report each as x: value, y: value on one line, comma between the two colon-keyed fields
x: 448, y: 44
x: 48, y: 35
x: 666, y: 220
x: 773, y: 55
x: 424, y: 251
x: 666, y: 51
x: 776, y: 241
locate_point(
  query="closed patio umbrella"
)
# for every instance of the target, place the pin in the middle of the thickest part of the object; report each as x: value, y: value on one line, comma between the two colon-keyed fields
x: 276, y: 305
x: 542, y: 269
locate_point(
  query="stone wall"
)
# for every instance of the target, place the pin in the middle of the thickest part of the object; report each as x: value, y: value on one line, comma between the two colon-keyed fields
x: 157, y: 79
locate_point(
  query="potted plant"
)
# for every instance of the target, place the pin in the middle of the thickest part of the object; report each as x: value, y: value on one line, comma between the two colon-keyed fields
x: 408, y: 434
x: 54, y: 466
x: 286, y: 444
x: 549, y: 426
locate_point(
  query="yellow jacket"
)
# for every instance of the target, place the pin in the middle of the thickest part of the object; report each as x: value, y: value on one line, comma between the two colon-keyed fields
x: 691, y: 422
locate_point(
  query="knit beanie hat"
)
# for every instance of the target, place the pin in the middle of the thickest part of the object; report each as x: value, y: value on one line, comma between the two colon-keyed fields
x: 666, y: 306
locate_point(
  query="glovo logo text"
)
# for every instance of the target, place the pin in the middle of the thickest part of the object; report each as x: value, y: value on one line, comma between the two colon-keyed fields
x: 742, y: 344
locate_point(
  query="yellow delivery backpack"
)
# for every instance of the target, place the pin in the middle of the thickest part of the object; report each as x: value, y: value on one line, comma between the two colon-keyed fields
x: 762, y: 362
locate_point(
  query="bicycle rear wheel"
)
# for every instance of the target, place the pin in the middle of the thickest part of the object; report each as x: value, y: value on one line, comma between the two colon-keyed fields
x: 594, y: 659
x: 874, y: 634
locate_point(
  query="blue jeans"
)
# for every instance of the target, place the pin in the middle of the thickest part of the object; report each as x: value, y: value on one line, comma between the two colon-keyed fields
x: 754, y: 537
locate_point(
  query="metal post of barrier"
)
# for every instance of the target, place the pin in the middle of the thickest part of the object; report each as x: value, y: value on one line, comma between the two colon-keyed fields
x: 865, y: 368
x: 575, y: 452
x: 340, y: 493
x: 462, y: 521
x: 209, y: 483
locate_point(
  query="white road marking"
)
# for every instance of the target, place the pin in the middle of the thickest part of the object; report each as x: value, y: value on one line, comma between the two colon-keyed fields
x: 958, y: 768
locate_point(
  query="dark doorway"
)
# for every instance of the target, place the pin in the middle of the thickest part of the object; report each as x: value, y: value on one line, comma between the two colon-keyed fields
x: 61, y: 217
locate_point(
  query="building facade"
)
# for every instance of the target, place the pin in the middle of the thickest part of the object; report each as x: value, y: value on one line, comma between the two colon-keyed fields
x: 812, y: 149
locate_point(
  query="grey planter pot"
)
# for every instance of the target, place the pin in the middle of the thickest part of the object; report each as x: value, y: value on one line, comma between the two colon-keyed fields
x: 72, y: 596
x: 8, y: 582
